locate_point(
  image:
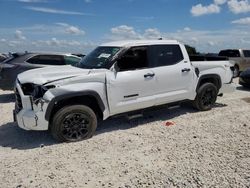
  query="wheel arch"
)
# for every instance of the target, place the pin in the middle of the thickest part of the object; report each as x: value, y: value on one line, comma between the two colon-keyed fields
x: 88, y: 98
x: 237, y: 65
x: 209, y: 78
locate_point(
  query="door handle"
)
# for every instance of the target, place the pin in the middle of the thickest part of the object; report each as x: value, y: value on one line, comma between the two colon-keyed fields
x: 149, y: 75
x: 186, y: 70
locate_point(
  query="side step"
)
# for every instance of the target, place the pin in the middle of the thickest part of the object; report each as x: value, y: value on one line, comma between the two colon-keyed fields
x: 134, y: 116
x: 140, y: 113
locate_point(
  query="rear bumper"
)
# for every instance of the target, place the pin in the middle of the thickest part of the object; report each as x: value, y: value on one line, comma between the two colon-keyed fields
x: 28, y: 115
x: 227, y: 88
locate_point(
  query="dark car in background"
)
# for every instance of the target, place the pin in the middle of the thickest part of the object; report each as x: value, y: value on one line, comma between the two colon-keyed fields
x: 245, y: 78
x: 20, y: 62
x: 80, y: 55
x: 2, y: 57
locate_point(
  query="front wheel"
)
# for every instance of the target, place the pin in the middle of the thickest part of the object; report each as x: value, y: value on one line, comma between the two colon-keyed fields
x: 74, y: 123
x: 206, y: 97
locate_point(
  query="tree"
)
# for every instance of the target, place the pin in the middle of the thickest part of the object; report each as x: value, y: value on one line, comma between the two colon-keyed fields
x: 191, y: 50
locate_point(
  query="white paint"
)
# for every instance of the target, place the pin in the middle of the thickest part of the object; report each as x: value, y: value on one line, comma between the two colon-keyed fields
x: 122, y: 91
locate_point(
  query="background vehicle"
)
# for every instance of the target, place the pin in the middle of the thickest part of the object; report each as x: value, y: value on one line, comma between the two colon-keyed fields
x: 240, y: 57
x: 245, y: 78
x: 20, y: 62
x: 2, y: 57
x: 79, y: 55
x: 116, y: 78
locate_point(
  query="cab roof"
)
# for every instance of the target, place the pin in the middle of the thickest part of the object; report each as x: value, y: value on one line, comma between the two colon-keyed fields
x: 130, y: 43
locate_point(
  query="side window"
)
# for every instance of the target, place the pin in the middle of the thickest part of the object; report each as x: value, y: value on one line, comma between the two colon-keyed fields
x: 223, y: 53
x: 70, y: 60
x: 47, y: 60
x: 134, y: 58
x: 246, y: 53
x: 165, y: 55
x: 234, y: 53
x: 230, y: 53
x: 33, y: 60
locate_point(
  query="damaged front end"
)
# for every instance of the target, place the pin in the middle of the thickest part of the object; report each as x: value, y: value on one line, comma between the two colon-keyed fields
x: 30, y: 106
x: 35, y: 91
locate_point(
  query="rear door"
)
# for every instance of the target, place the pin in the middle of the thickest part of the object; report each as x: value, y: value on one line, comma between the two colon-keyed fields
x: 173, y: 73
x: 10, y: 68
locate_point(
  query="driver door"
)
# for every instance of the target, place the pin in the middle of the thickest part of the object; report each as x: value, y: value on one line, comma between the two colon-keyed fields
x: 130, y: 88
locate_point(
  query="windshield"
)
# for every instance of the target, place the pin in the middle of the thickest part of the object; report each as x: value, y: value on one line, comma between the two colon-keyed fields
x: 100, y: 58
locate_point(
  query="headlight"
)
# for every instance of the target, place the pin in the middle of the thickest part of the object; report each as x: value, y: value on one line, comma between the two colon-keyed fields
x: 36, y: 91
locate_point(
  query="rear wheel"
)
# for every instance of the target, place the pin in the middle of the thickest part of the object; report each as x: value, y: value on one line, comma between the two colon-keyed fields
x: 236, y: 71
x: 74, y: 123
x: 206, y: 97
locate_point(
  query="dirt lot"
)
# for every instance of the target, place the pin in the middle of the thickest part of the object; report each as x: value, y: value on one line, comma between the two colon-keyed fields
x: 202, y: 149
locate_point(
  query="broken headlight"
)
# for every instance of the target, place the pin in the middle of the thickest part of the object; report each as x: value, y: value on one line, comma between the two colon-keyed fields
x: 36, y: 91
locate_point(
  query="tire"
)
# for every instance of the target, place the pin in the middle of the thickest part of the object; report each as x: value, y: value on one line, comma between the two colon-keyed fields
x: 236, y: 71
x: 206, y: 97
x: 74, y: 123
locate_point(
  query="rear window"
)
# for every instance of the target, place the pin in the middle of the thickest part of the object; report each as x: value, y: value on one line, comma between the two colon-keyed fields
x: 246, y: 53
x: 230, y: 53
x: 165, y: 55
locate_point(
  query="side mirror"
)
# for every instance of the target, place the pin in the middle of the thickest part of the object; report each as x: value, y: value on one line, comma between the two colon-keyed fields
x: 116, y: 67
x: 120, y: 65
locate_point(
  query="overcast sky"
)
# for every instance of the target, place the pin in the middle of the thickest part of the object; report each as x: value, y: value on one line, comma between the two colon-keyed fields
x: 80, y: 25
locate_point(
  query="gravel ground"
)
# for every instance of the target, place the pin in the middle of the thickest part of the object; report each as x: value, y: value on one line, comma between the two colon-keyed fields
x: 201, y: 149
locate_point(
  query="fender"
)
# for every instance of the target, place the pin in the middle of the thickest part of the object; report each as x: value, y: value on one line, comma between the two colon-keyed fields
x: 209, y: 76
x: 56, y: 99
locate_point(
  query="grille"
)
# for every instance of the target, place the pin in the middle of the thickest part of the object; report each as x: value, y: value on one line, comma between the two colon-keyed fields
x: 19, y: 105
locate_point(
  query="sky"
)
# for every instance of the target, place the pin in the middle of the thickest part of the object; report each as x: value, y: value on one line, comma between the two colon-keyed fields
x: 78, y: 26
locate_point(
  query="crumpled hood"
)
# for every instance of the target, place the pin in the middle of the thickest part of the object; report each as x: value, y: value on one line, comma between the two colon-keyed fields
x: 50, y: 74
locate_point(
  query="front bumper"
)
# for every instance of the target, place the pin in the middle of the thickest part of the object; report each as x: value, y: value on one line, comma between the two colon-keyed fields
x: 244, y: 81
x: 29, y: 116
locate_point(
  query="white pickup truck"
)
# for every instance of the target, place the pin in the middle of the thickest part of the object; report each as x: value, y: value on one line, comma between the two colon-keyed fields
x: 116, y: 78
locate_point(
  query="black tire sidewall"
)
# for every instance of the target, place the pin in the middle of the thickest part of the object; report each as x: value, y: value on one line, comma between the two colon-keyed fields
x: 56, y: 127
x: 236, y: 71
x: 201, y: 91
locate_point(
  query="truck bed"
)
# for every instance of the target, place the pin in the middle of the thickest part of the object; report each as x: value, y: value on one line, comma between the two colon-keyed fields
x: 207, y: 58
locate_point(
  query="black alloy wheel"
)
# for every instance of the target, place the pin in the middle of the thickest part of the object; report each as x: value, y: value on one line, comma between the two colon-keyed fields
x: 75, y: 126
x: 206, y: 97
x: 74, y: 123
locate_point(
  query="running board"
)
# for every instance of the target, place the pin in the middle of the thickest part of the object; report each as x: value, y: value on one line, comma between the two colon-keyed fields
x: 134, y: 116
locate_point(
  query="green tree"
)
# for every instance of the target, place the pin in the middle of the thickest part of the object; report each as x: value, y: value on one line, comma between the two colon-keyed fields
x: 191, y: 50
